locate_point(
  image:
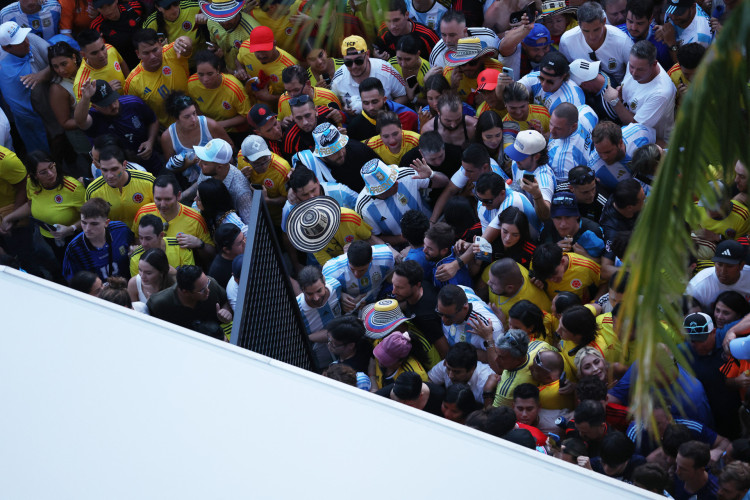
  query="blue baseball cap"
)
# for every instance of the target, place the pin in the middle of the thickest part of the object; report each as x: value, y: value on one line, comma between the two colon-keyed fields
x: 539, y: 31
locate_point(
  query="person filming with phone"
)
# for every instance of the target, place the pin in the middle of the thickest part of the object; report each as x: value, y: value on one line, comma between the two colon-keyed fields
x: 531, y: 174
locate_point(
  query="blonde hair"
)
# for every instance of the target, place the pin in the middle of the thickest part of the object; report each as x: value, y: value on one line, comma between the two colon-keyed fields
x: 586, y: 351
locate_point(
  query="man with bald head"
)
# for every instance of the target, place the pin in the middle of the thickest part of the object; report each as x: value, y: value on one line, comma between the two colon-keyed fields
x: 509, y: 283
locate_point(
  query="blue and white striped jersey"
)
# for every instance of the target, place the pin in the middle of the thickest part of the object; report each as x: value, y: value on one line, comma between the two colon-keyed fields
x: 569, y: 91
x: 382, y: 264
x: 521, y: 202
x: 478, y: 311
x: 633, y: 137
x: 564, y: 154
x: 346, y: 197
x: 384, y: 216
x: 545, y: 177
x: 318, y: 166
x: 698, y: 31
x: 45, y: 23
x: 587, y: 118
x: 316, y: 318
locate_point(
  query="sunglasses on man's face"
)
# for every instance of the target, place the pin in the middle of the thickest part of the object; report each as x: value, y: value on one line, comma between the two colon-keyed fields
x: 354, y: 62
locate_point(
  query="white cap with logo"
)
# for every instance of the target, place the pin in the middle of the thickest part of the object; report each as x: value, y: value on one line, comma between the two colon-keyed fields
x: 12, y: 34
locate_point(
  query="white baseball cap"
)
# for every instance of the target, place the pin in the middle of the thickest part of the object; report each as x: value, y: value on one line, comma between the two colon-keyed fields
x: 528, y: 142
x: 254, y: 147
x: 12, y: 34
x: 215, y: 150
x: 582, y: 70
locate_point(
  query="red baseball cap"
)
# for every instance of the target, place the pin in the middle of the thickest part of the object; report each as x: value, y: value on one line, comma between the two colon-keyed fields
x: 487, y: 79
x: 261, y: 39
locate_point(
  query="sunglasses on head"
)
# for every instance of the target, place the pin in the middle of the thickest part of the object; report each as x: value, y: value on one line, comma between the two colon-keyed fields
x: 564, y: 201
x: 538, y: 361
x: 583, y: 178
x: 352, y: 62
x: 299, y: 100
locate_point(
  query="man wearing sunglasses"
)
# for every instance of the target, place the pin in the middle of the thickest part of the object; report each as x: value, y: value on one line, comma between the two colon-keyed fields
x: 296, y: 83
x: 551, y: 85
x: 357, y: 67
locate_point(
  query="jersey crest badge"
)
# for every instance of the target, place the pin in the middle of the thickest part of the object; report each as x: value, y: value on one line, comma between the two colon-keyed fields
x: 47, y: 23
x: 289, y: 30
x: 58, y: 198
x: 268, y: 183
x: 138, y: 198
x: 226, y: 105
x: 166, y: 71
x: 730, y: 233
x: 365, y: 281
x: 117, y: 66
x: 612, y: 63
x: 576, y: 284
x: 402, y: 199
x: 136, y: 122
x: 349, y: 238
x: 187, y: 26
x: 237, y: 44
x: 35, y: 24
x: 376, y: 276
x: 633, y: 105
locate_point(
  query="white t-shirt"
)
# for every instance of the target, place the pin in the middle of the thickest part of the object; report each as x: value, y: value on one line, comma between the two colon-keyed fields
x: 438, y: 375
x: 613, y: 54
x: 652, y: 102
x: 437, y: 56
x: 347, y: 89
x: 705, y: 286
x: 5, y: 139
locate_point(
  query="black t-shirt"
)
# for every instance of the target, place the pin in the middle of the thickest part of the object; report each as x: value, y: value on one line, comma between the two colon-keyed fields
x: 119, y: 33
x: 450, y: 165
x: 221, y: 270
x: 550, y: 234
x: 613, y: 222
x: 361, y: 359
x: 425, y: 318
x: 357, y: 154
x: 360, y: 128
x: 593, y: 210
x: 201, y: 318
x: 434, y: 402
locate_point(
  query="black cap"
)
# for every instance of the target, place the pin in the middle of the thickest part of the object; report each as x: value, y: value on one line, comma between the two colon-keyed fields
x: 729, y: 252
x: 407, y: 386
x: 104, y: 95
x: 225, y: 235
x: 554, y: 63
x: 259, y: 115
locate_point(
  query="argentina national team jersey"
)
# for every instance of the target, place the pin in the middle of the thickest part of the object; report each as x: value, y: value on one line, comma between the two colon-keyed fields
x: 515, y: 199
x: 317, y: 318
x: 44, y: 23
x: 568, y: 92
x: 544, y: 175
x: 587, y: 119
x: 564, y: 154
x: 478, y: 311
x: 699, y: 30
x: 338, y: 269
x: 318, y: 166
x: 384, y: 216
x: 460, y: 180
x: 339, y: 192
x: 110, y: 260
x: 633, y: 137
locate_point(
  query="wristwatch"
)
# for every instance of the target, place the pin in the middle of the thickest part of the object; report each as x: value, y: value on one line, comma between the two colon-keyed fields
x: 488, y: 343
x: 674, y: 48
x: 613, y: 102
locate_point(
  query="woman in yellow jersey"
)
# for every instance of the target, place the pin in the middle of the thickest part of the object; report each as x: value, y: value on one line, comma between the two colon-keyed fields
x: 54, y: 200
x: 393, y: 142
x: 64, y: 61
x: 578, y: 329
x: 392, y: 357
x: 153, y: 275
x: 189, y: 130
x: 589, y: 361
x: 174, y: 18
x: 412, y: 66
x: 320, y: 67
x: 221, y: 97
x: 490, y: 134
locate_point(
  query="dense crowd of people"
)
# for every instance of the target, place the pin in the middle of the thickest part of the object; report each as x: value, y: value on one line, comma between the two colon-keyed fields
x: 454, y: 185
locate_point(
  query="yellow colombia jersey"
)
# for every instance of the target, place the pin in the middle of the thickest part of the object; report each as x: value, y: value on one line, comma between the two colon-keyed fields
x: 176, y: 255
x: 184, y: 25
x: 581, y: 273
x: 527, y: 292
x: 265, y: 72
x: 485, y: 107
x: 510, y: 379
x: 409, y: 141
x: 551, y: 399
x: 321, y: 97
x: 424, y: 67
x: 337, y: 63
x: 676, y: 75
x: 188, y: 221
x: 154, y: 87
x: 124, y: 203
x: 274, y: 179
x: 733, y: 226
x: 352, y: 228
x: 536, y: 112
x: 61, y: 205
x: 12, y: 172
x: 112, y: 71
x: 467, y: 85
x: 284, y: 31
x: 599, y: 343
x: 410, y: 364
x: 222, y: 103
x: 230, y: 41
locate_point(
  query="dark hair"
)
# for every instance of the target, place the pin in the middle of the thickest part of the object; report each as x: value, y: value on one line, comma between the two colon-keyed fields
x: 459, y: 214
x: 346, y: 329
x: 497, y: 421
x: 115, y: 290
x: 620, y: 243
x: 414, y: 225
x: 105, y: 140
x: 487, y: 120
x: 397, y: 5
x: 651, y: 476
x: 83, y: 281
x: 301, y: 177
x: 451, y: 295
x: 476, y: 155
x: 515, y: 92
x: 579, y: 320
x: 309, y: 275
x: 408, y: 44
x: 606, y: 130
x: 574, y: 447
x: 33, y: 160
x: 342, y: 373
x: 462, y: 355
x: 616, y: 449
x: 675, y: 435
x: 225, y: 235
x: 640, y: 8
x: 311, y: 44
x: 294, y: 72
x: 96, y: 207
x: 690, y: 55
x: 411, y: 270
x: 63, y: 49
x: 453, y: 15
x: 644, y: 50
x: 109, y: 152
x: 619, y: 281
x: 158, y: 260
x: 526, y: 391
x: 451, y: 100
x: 442, y: 234
x: 566, y: 300
x: 87, y: 37
x: 431, y: 142
x: 359, y: 253
x: 530, y: 315
x: 591, y: 387
x: 462, y: 397
x: 590, y: 412
x: 626, y: 193
x: 436, y: 82
x: 167, y: 180
x: 492, y: 181
x: 546, y: 259
x: 216, y: 201
x: 521, y: 437
x: 734, y: 301
x: 698, y: 451
x: 644, y: 162
x: 387, y: 117
x: 153, y: 221
x: 187, y: 276
x: 147, y: 36
x: 208, y: 57
x: 177, y: 102
x: 741, y: 449
x: 515, y: 216
x: 371, y: 83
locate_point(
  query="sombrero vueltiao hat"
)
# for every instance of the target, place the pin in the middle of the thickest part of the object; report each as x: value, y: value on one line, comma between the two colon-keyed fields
x: 554, y: 7
x: 381, y: 318
x: 312, y: 224
x: 221, y: 11
x: 467, y: 50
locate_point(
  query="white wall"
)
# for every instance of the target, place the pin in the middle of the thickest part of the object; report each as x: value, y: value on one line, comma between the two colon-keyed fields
x: 99, y: 402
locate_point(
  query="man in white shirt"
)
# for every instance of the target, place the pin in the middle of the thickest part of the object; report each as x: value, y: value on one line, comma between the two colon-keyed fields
x: 357, y: 67
x: 462, y: 367
x: 595, y: 40
x: 647, y: 93
x: 729, y: 273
